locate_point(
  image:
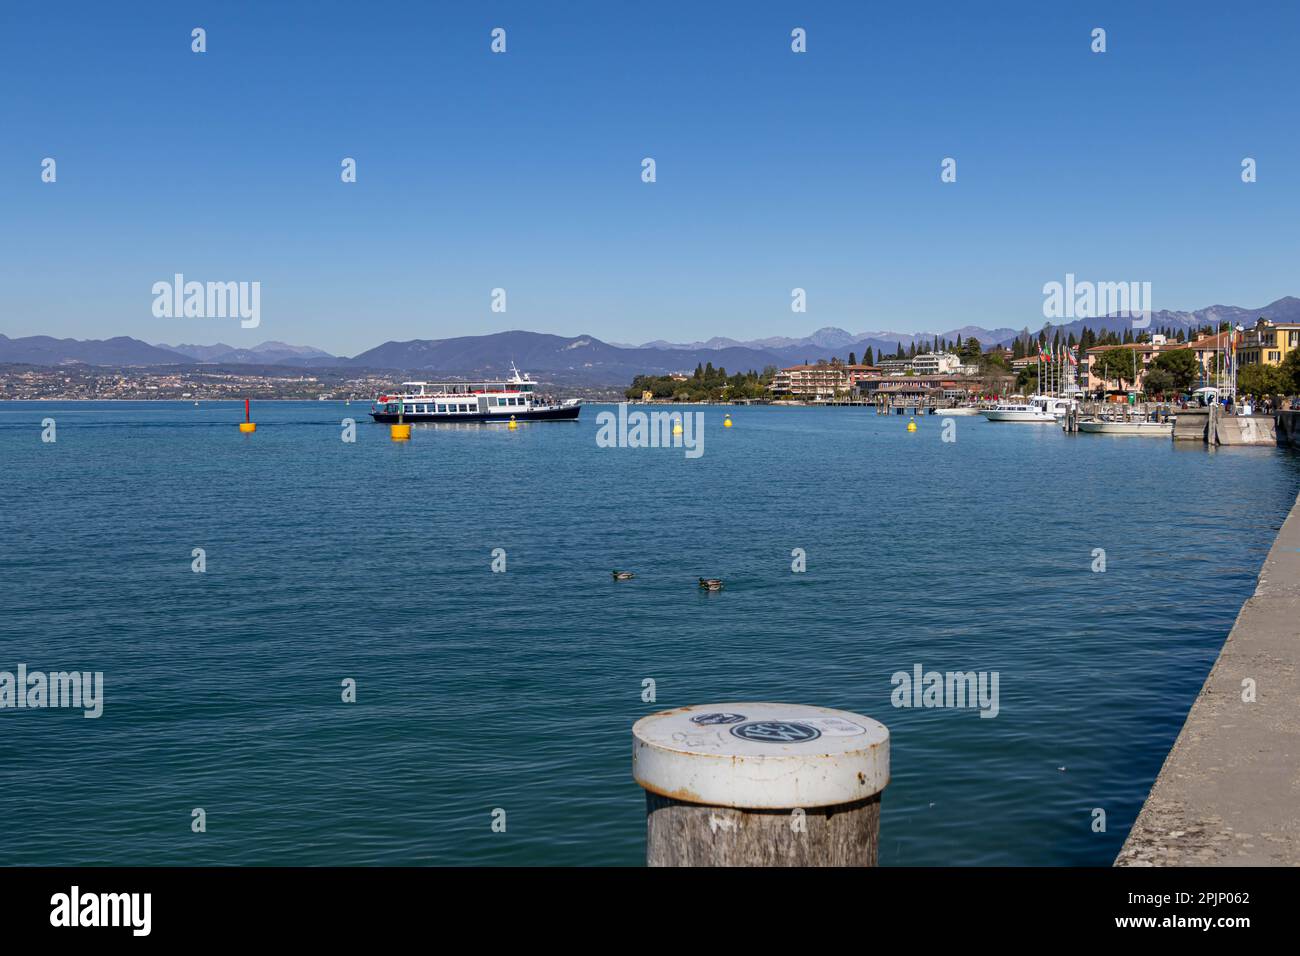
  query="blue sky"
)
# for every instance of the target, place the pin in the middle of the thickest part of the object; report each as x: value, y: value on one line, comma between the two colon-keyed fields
x: 522, y: 170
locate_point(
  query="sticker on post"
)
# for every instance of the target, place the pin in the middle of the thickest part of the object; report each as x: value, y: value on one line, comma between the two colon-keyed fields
x: 776, y: 732
x: 717, y: 718
x: 834, y: 726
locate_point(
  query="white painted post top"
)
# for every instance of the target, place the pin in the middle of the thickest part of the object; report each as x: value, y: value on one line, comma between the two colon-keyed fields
x: 761, y: 756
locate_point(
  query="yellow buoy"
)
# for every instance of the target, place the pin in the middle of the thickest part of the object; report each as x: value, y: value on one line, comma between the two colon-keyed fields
x: 399, y: 432
x: 248, y: 426
x: 677, y: 426
x: 911, y: 426
x: 513, y: 424
x: 726, y: 421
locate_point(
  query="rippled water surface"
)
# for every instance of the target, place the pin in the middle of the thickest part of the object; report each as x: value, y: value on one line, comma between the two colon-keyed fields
x: 479, y: 690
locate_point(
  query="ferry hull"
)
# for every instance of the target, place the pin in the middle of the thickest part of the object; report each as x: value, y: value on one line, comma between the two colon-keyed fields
x: 559, y: 413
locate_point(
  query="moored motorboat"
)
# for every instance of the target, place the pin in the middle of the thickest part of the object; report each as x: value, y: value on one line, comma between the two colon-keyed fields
x: 1152, y: 429
x: 1128, y: 421
x: 1038, y: 409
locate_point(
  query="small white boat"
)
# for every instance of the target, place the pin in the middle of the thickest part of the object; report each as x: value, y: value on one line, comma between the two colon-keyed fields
x: 1128, y: 422
x: 1153, y: 429
x: 1038, y: 409
x: 959, y: 410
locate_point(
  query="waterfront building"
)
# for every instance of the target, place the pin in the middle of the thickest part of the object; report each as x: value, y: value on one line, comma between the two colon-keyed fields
x: 891, y: 387
x: 822, y: 381
x: 1268, y: 343
x: 1144, y: 354
x: 1210, y: 351
x: 927, y: 363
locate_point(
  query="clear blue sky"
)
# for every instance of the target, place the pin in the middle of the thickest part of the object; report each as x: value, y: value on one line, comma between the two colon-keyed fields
x: 522, y: 171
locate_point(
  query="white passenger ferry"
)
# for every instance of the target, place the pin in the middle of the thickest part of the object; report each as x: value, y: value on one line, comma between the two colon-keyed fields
x: 472, y: 402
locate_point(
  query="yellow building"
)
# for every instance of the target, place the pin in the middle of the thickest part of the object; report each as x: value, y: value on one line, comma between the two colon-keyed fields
x: 1268, y: 342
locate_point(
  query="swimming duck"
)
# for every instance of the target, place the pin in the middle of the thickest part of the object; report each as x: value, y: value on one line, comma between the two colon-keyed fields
x: 711, y: 584
x: 622, y: 575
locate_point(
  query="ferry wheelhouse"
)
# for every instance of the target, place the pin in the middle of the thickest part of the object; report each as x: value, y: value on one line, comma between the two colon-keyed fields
x: 516, y: 398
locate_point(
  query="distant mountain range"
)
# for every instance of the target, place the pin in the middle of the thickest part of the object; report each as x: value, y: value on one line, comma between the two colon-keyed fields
x: 582, y: 359
x: 268, y: 353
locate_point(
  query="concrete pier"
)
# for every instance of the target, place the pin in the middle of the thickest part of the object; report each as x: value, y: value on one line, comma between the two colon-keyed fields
x: 1229, y: 791
x: 1288, y: 428
x: 1245, y: 430
x: 1191, y: 424
x: 1212, y: 426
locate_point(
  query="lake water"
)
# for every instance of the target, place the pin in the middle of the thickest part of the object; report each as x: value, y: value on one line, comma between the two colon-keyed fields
x: 479, y: 690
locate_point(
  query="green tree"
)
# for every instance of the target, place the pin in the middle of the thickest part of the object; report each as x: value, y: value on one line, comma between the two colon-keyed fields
x: 1263, y: 380
x: 1182, y: 366
x: 1291, y: 369
x: 868, y: 359
x: 1027, y: 380
x: 1118, y: 364
x: 1158, y: 381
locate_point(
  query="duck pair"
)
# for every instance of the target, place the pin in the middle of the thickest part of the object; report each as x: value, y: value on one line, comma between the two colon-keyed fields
x: 708, y: 584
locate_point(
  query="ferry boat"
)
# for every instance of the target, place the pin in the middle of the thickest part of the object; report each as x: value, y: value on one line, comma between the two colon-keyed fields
x: 516, y: 398
x: 1039, y: 408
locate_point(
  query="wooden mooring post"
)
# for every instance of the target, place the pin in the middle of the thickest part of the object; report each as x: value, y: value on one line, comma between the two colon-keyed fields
x: 760, y: 784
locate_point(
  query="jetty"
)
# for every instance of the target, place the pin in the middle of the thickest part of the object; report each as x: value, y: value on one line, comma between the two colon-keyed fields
x: 1229, y: 791
x: 1213, y: 426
